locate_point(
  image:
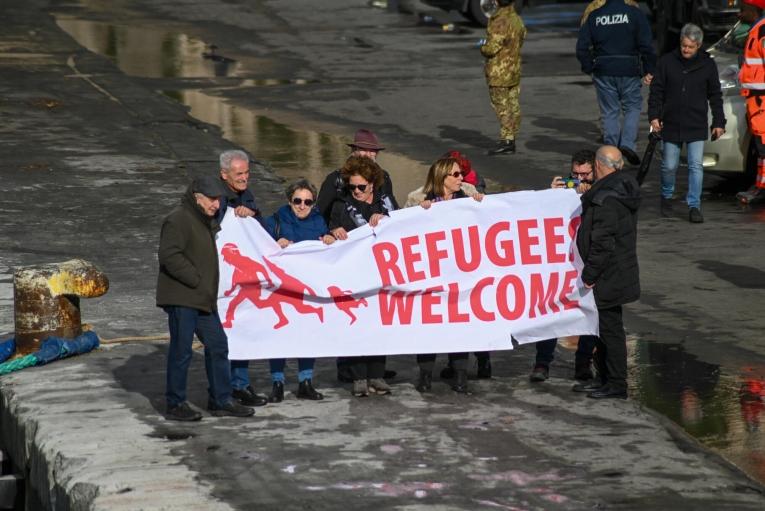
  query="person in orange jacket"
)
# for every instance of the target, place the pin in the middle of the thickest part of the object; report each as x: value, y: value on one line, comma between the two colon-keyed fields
x: 752, y: 78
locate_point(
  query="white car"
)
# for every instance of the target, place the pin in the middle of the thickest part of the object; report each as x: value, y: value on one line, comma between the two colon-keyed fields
x: 733, y: 152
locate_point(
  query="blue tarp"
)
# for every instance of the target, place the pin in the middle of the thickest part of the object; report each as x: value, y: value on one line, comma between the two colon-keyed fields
x: 7, y: 347
x: 54, y: 348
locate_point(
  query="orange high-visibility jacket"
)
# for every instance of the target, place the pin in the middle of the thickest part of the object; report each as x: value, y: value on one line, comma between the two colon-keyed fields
x: 752, y: 78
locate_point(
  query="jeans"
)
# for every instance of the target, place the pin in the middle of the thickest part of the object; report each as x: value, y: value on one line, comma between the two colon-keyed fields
x: 184, y: 322
x: 584, y: 349
x: 617, y: 95
x: 670, y: 161
x: 305, y: 369
x: 240, y: 377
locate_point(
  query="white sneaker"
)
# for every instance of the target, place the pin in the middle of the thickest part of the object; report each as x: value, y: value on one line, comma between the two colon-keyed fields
x: 378, y: 386
x: 360, y: 388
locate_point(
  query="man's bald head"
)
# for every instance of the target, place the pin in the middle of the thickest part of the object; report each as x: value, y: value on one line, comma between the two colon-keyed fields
x: 608, y: 159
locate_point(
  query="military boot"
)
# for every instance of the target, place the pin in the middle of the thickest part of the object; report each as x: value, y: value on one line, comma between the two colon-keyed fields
x: 504, y: 146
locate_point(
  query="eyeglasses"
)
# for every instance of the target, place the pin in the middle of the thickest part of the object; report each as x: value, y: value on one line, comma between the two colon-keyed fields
x: 362, y: 188
x: 456, y: 174
x: 297, y: 201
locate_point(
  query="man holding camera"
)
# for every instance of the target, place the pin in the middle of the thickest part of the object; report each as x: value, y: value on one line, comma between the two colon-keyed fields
x: 580, y: 178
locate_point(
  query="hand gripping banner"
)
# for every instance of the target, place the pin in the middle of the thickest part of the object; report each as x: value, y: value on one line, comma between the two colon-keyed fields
x: 460, y: 276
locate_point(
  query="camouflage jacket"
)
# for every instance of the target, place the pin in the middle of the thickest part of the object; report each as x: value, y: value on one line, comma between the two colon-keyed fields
x: 504, y: 38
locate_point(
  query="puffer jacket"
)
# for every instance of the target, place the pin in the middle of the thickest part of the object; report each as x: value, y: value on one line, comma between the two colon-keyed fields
x: 285, y: 224
x: 607, y: 239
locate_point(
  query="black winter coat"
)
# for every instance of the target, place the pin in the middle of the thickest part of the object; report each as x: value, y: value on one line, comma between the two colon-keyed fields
x: 607, y: 239
x: 333, y: 188
x: 680, y: 92
x: 349, y: 213
x: 188, y: 258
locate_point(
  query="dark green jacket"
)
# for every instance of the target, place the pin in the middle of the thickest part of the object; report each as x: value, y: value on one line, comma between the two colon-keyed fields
x: 188, y: 258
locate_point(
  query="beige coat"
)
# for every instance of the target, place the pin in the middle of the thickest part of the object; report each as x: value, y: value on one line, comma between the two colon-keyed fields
x: 416, y: 197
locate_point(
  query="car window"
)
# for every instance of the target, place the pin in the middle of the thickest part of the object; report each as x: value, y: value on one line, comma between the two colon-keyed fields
x: 734, y: 40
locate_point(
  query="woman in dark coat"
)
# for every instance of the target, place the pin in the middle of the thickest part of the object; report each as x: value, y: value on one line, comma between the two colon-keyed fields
x: 297, y: 221
x: 362, y: 202
x: 686, y: 81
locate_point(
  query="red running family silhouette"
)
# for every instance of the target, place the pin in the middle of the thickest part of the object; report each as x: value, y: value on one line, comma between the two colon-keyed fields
x: 249, y: 277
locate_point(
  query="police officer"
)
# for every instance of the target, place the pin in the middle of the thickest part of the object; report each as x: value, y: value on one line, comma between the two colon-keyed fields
x: 615, y: 46
x: 752, y: 78
x: 502, y: 50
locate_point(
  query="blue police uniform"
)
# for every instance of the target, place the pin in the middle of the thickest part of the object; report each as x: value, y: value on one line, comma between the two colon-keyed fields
x: 615, y: 47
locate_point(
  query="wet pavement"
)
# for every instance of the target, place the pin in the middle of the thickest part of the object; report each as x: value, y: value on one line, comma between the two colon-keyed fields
x: 290, y: 85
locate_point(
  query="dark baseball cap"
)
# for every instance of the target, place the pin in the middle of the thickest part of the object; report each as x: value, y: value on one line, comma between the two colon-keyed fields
x: 209, y: 186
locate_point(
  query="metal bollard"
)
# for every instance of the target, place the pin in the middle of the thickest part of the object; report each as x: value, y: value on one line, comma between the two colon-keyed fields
x: 47, y: 300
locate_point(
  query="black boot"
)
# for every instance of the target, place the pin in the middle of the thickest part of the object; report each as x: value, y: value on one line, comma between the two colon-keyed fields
x: 504, y: 146
x: 583, y: 371
x: 447, y: 373
x: 484, y: 368
x: 460, y: 384
x: 306, y: 391
x: 277, y: 393
x: 426, y: 381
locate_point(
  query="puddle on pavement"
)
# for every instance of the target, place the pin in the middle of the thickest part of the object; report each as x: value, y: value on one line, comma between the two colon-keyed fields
x: 293, y: 154
x: 723, y: 408
x: 151, y: 52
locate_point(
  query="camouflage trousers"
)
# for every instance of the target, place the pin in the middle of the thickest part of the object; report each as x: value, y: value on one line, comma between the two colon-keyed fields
x: 505, y: 101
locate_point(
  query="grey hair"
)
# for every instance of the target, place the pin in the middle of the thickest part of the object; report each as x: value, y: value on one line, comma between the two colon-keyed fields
x: 608, y: 162
x: 300, y: 184
x: 692, y: 32
x: 228, y: 157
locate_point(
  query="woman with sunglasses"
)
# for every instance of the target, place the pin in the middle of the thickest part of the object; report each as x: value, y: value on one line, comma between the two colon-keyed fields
x: 444, y: 182
x: 297, y: 221
x: 362, y: 202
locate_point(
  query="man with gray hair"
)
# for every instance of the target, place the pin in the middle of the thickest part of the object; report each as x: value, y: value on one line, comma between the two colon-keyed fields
x: 683, y: 88
x: 235, y: 174
x: 187, y: 290
x: 607, y: 243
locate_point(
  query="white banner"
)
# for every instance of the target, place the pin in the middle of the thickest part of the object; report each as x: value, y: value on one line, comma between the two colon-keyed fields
x: 460, y: 276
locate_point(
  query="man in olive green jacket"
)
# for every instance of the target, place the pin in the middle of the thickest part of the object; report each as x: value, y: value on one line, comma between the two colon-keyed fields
x: 502, y: 50
x: 187, y: 290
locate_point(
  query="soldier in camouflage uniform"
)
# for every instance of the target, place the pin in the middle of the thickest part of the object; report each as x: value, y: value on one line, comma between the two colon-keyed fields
x: 502, y: 50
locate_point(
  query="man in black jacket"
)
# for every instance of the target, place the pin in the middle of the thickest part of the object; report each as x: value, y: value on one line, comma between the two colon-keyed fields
x: 685, y: 82
x: 607, y: 240
x: 187, y: 290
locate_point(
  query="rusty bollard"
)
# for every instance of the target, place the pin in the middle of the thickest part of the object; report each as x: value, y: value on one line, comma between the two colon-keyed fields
x: 47, y: 300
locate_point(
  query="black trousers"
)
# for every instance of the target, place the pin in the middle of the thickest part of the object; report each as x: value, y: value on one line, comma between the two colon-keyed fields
x: 368, y: 367
x: 611, y: 354
x: 458, y: 361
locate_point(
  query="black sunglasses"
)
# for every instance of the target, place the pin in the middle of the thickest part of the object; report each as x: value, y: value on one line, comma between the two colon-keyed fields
x: 456, y: 173
x: 362, y: 188
x: 297, y: 201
